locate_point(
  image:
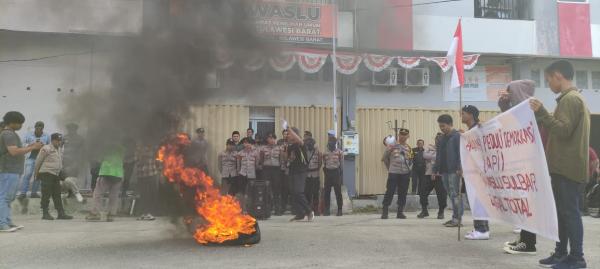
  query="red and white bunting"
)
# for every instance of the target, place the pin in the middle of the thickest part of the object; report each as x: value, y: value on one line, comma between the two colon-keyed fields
x: 283, y: 62
x: 255, y: 63
x: 311, y: 62
x: 409, y: 62
x: 470, y: 61
x: 347, y: 63
x: 376, y: 63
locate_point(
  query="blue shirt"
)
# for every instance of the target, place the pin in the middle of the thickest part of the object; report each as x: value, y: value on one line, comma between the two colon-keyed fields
x: 31, y: 138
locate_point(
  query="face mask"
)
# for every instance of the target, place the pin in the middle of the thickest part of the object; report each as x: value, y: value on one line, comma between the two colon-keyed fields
x: 331, y: 146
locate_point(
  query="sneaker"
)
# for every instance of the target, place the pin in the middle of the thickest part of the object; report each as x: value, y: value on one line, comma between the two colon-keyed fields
x: 521, y: 248
x: 453, y: 224
x: 8, y: 229
x: 400, y: 215
x: 552, y: 260
x: 512, y: 244
x: 22, y: 196
x: 477, y: 235
x: 571, y: 263
x: 296, y: 218
x: 423, y: 214
x: 311, y: 216
x: 93, y: 217
x: 79, y: 197
x: 18, y: 227
x: 440, y: 215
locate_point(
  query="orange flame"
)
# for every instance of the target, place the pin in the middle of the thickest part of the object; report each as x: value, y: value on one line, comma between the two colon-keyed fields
x: 223, y: 213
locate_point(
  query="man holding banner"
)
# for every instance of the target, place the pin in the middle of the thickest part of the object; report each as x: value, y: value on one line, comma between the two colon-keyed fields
x: 568, y: 142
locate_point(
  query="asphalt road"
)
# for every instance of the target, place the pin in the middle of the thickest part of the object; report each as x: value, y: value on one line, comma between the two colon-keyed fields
x: 353, y: 241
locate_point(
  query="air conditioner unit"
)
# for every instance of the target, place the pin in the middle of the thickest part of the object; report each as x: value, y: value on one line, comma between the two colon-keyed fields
x: 387, y: 77
x: 416, y: 77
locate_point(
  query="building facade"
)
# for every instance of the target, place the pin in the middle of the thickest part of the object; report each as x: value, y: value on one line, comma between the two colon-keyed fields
x: 389, y: 64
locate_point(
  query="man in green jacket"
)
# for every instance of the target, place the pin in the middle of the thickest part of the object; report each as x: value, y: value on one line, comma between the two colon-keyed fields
x: 110, y: 179
x: 567, y: 153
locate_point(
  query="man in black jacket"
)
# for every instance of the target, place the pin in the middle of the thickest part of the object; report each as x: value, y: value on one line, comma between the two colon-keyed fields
x: 447, y: 164
x: 418, y: 169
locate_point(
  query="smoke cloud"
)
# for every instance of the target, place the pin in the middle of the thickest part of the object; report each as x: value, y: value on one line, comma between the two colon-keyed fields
x: 157, y: 75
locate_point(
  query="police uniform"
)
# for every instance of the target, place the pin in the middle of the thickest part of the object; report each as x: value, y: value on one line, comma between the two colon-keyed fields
x: 271, y: 160
x: 247, y: 164
x: 333, y: 179
x: 228, y: 169
x: 313, y: 182
x: 398, y: 160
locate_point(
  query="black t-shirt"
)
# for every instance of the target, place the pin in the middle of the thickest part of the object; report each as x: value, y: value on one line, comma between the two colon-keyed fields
x: 418, y: 161
x: 443, y: 155
x: 298, y: 158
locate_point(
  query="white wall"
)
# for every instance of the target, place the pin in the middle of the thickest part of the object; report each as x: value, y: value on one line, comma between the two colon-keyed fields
x: 72, y: 16
x: 596, y: 39
x: 434, y: 33
x: 43, y: 101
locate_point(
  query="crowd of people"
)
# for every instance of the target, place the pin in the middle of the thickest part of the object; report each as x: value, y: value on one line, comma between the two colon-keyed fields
x: 292, y: 166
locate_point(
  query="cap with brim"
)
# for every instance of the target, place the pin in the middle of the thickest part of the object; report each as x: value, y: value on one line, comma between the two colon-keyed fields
x: 56, y: 136
x: 404, y: 131
x: 39, y: 124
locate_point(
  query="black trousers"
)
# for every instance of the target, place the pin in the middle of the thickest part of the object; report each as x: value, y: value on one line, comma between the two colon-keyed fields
x: 285, y: 191
x: 418, y: 176
x: 333, y: 179
x: 148, y: 190
x: 274, y: 175
x: 396, y: 182
x: 311, y: 190
x: 51, y: 189
x: 127, y: 173
x: 300, y: 205
x: 427, y: 185
x: 237, y: 185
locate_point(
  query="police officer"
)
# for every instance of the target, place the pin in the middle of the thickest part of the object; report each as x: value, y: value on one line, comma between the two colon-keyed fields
x: 333, y: 159
x: 398, y: 160
x: 228, y: 166
x: 271, y: 160
x: 247, y: 164
x: 313, y: 182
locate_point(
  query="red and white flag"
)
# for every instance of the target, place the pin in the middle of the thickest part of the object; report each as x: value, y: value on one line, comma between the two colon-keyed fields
x: 455, y: 59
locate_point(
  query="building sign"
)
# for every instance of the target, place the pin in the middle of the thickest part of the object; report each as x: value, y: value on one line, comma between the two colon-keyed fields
x: 482, y: 84
x: 294, y: 21
x: 350, y: 140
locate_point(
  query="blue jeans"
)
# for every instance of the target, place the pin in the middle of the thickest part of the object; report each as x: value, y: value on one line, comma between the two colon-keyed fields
x: 452, y: 186
x: 27, y: 175
x: 8, y: 190
x: 570, y: 227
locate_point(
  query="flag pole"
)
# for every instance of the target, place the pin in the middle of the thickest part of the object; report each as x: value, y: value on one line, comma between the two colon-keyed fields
x: 334, y: 62
x: 460, y: 199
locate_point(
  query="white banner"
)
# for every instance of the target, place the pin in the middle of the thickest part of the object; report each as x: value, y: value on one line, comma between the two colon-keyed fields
x: 506, y: 174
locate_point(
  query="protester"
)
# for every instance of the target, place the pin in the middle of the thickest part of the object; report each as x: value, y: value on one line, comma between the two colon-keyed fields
x: 48, y: 166
x: 398, y: 160
x: 418, y: 170
x: 247, y: 165
x: 110, y: 179
x: 73, y: 152
x: 196, y: 155
x: 69, y: 185
x: 567, y: 154
x: 271, y: 160
x: 228, y: 167
x: 431, y: 182
x: 148, y: 173
x: 37, y: 135
x: 11, y: 166
x: 515, y: 93
x: 298, y: 171
x: 250, y: 133
x: 313, y: 182
x: 447, y: 164
x: 235, y: 136
x: 333, y: 159
x: 470, y: 117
